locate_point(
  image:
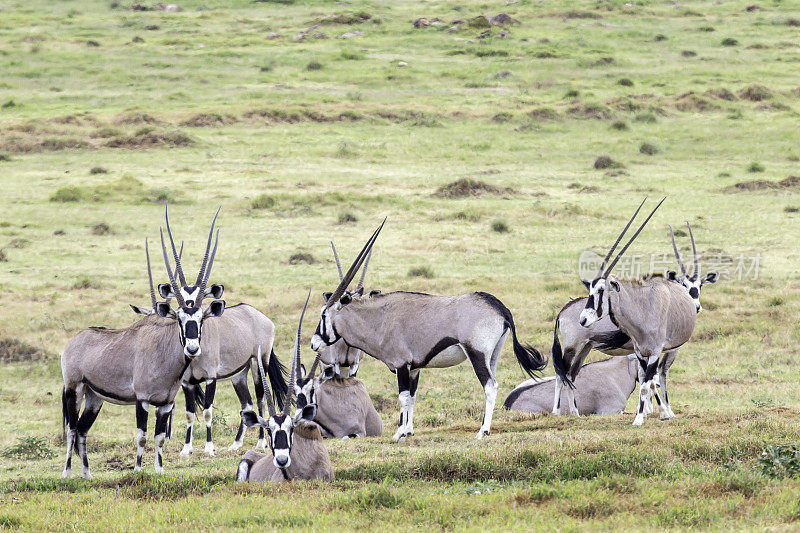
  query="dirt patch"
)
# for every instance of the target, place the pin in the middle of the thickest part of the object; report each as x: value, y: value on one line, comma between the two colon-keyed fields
x: 590, y: 111
x: 302, y: 257
x: 137, y: 117
x: 383, y: 404
x: 722, y: 93
x: 692, y: 102
x: 792, y: 182
x: 544, y: 113
x: 14, y: 351
x: 21, y: 144
x: 149, y: 137
x: 755, y: 93
x: 208, y: 120
x: 467, y: 187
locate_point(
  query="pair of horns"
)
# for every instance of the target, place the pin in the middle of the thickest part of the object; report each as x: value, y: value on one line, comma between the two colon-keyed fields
x: 678, y: 256
x: 363, y: 256
x: 205, y: 267
x: 363, y: 272
x: 150, y: 272
x: 292, y: 376
x: 603, y: 272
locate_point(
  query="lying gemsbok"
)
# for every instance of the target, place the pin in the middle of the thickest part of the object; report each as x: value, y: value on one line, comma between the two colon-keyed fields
x: 296, y: 442
x: 243, y: 331
x: 411, y: 331
x: 657, y: 314
x: 141, y: 364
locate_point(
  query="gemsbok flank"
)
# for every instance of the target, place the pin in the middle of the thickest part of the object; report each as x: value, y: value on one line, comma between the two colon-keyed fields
x: 657, y: 314
x: 243, y: 331
x: 607, y: 338
x: 296, y: 442
x: 604, y: 388
x: 410, y: 331
x: 141, y: 364
x: 344, y: 408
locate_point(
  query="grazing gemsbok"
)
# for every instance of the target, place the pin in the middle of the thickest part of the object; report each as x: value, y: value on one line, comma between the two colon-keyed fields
x: 604, y: 388
x: 141, y: 364
x: 344, y: 408
x: 657, y: 314
x: 296, y: 442
x: 243, y: 331
x: 411, y: 331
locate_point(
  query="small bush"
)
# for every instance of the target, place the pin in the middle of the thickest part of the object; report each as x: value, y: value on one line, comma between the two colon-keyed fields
x: 98, y: 170
x: 101, y: 229
x: 604, y: 162
x: 647, y: 148
x: 84, y: 282
x: 347, y: 218
x: 500, y: 226
x: 791, y: 209
x: 263, y: 201
x: 421, y: 272
x: 466, y: 187
x: 707, y: 28
x: 625, y: 82
x: 352, y: 55
x: 660, y: 37
x: 572, y: 93
x: 729, y: 41
x: 302, y: 257
x: 689, y: 53
x: 4, y: 157
x: 68, y: 194
x: 314, y: 65
x: 647, y: 118
x: 755, y: 167
x: 29, y: 447
x: 620, y: 125
x: 780, y: 460
x: 3, y: 256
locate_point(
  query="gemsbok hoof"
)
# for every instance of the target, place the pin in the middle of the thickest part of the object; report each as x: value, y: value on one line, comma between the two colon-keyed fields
x: 638, y: 421
x: 187, y: 450
x: 482, y: 433
x: 209, y: 450
x: 66, y: 474
x: 262, y: 444
x: 235, y: 446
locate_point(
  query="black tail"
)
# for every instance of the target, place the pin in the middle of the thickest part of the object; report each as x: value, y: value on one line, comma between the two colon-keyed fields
x: 276, y: 373
x: 199, y: 398
x: 528, y: 357
x: 558, y: 358
x: 169, y: 424
x: 64, y: 414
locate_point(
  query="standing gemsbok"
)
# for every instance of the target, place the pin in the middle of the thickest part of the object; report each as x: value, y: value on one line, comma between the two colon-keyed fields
x: 296, y: 442
x: 605, y: 337
x: 411, y: 331
x: 141, y: 364
x: 657, y: 314
x: 243, y: 331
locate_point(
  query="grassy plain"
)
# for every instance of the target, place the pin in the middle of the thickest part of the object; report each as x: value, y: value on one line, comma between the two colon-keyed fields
x: 107, y: 112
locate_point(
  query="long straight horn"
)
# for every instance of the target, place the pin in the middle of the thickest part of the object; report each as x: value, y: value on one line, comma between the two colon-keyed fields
x: 338, y: 264
x: 295, y: 360
x: 270, y: 405
x: 675, y: 249
x: 175, y: 289
x: 351, y: 273
x: 314, y: 367
x: 694, y: 251
x: 364, y: 272
x: 178, y: 267
x: 638, y: 231
x: 202, y: 291
x: 150, y: 275
x: 202, y: 272
x: 614, y: 246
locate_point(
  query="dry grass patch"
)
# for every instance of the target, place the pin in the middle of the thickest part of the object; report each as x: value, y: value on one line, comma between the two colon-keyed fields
x: 467, y: 187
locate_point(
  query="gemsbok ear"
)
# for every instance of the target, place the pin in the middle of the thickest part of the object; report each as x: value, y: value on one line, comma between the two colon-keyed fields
x: 374, y: 293
x: 345, y: 299
x: 165, y: 291
x: 326, y: 296
x: 614, y: 284
x: 251, y: 419
x: 141, y: 310
x: 586, y: 283
x: 711, y: 278
x: 672, y: 275
x: 215, y: 291
x: 164, y: 310
x: 215, y: 309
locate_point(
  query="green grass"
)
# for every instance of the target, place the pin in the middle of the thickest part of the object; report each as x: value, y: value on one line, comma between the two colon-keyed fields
x: 470, y: 132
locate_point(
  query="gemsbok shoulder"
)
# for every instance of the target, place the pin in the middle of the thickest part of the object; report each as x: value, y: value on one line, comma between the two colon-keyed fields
x: 410, y: 331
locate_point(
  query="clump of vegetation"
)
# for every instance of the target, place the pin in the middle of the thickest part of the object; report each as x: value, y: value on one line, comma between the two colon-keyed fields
x: 301, y: 257
x: 707, y: 28
x: 345, y: 150
x: 646, y: 117
x: 14, y: 350
x: 85, y: 282
x: 755, y: 166
x: 352, y: 55
x: 466, y: 187
x: 780, y: 460
x: 98, y: 170
x: 149, y: 137
x: 68, y: 194
x: 207, y: 120
x: 625, y: 82
x: 500, y: 226
x: 543, y: 113
x: 3, y: 256
x: 101, y: 229
x: 729, y: 41
x: 347, y: 218
x: 620, y: 125
x: 792, y: 182
x: 572, y: 93
x: 421, y: 272
x: 791, y: 209
x: 29, y: 448
x: 604, y: 162
x: 575, y: 14
x: 755, y: 93
x: 648, y: 148
x: 660, y: 37
x: 689, y: 53
x: 263, y: 201
x: 4, y: 157
x: 314, y: 65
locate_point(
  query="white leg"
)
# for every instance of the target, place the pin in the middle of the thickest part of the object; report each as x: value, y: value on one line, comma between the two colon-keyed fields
x: 70, y: 443
x: 141, y: 440
x: 187, y: 448
x: 405, y: 399
x: 207, y: 415
x: 557, y: 397
x: 240, y: 440
x: 490, y: 390
x: 573, y: 406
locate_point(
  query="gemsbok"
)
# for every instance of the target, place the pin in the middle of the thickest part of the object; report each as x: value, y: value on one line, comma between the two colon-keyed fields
x: 296, y: 442
x: 243, y: 330
x: 657, y: 314
x: 410, y: 331
x: 141, y: 364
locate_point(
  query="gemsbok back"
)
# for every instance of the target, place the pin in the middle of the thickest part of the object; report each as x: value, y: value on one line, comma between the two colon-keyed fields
x: 410, y: 331
x: 298, y: 451
x: 141, y: 364
x: 657, y: 314
x: 243, y: 331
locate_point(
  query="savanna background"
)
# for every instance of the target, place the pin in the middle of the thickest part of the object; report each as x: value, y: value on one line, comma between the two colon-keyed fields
x: 498, y: 154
